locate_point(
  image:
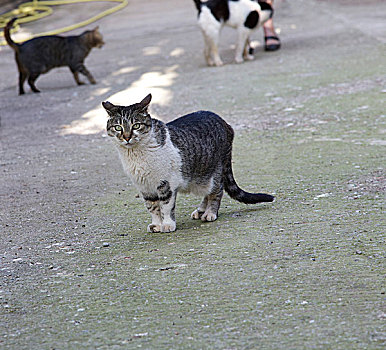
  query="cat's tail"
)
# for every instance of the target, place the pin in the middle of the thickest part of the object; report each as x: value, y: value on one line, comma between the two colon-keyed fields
x: 198, y: 4
x: 239, y: 194
x: 231, y: 186
x: 7, y: 34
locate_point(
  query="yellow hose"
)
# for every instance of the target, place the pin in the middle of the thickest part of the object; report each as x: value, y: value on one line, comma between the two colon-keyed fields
x: 36, y: 9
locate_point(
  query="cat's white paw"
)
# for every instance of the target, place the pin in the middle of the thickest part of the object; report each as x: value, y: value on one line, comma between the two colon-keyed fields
x: 209, y: 216
x: 239, y: 59
x: 249, y: 57
x: 196, y: 215
x: 171, y: 227
x: 209, y: 61
x: 217, y: 62
x: 152, y: 228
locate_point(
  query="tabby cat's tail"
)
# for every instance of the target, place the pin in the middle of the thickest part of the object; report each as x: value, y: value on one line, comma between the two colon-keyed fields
x: 7, y: 34
x: 240, y: 195
x: 234, y: 190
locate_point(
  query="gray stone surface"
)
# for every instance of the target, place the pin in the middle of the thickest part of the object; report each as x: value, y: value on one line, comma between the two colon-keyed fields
x: 79, y: 271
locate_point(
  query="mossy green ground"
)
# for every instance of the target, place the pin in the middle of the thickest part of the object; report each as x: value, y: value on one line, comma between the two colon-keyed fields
x: 305, y: 272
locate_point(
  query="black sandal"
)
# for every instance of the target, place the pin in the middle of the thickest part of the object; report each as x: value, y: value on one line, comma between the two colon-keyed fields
x: 271, y: 47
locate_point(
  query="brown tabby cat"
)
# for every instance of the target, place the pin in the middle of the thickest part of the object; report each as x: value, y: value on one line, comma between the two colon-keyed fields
x: 39, y: 55
x: 192, y: 153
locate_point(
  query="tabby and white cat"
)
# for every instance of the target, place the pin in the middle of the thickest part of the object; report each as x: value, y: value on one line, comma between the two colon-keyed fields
x: 244, y: 15
x: 41, y: 54
x: 190, y: 154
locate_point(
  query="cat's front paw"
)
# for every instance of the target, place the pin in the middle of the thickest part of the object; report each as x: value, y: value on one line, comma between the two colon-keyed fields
x: 239, y: 59
x: 153, y: 228
x: 168, y: 227
x: 217, y: 62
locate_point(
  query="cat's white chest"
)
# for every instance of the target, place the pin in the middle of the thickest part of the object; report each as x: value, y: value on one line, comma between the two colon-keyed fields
x: 147, y: 167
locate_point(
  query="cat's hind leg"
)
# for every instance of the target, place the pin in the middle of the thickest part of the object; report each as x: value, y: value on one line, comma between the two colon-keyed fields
x: 31, y: 81
x: 208, y: 209
x: 22, y: 78
x: 242, y: 43
x: 248, y: 51
x: 76, y: 77
x: 197, y: 214
x: 212, y: 207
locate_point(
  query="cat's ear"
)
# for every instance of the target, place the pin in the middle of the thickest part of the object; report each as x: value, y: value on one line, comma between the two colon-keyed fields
x: 96, y: 29
x: 110, y: 108
x: 145, y: 103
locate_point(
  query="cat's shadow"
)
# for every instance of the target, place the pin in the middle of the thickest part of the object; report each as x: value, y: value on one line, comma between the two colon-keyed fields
x: 225, y: 216
x: 66, y: 86
x: 193, y: 231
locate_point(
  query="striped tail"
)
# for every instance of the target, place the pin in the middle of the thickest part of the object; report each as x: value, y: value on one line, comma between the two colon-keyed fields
x: 7, y: 34
x: 236, y: 192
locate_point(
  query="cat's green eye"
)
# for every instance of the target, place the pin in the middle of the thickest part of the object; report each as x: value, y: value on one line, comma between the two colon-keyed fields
x: 118, y: 128
x: 136, y: 126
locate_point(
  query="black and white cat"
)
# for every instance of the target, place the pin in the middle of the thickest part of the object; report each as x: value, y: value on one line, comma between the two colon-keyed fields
x: 244, y: 15
x: 190, y: 154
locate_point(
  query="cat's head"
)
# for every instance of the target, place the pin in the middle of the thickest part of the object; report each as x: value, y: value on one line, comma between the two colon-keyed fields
x: 94, y: 38
x: 128, y: 125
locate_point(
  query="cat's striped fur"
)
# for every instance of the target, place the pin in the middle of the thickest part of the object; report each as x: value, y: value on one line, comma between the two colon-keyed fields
x: 41, y: 54
x: 190, y: 154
